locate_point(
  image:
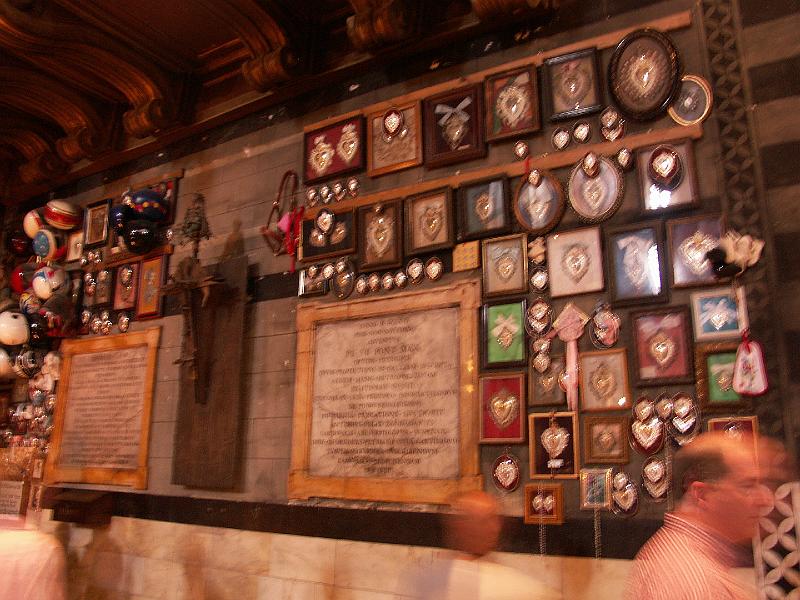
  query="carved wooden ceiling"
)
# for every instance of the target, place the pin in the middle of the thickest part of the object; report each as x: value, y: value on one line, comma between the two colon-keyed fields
x: 87, y: 84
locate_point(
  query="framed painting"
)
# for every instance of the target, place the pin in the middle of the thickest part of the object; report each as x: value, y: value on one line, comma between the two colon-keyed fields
x: 454, y: 126
x: 604, y: 380
x: 483, y: 208
x: 553, y: 445
x: 394, y: 139
x: 636, y: 269
x: 502, y: 408
x: 312, y: 282
x: 503, y: 334
x: 662, y: 346
x: 595, y: 489
x: 505, y: 265
x: 104, y: 288
x: 605, y: 439
x: 575, y: 262
x: 544, y: 503
x: 333, y: 150
x: 512, y: 104
x: 95, y: 223
x: 667, y: 178
x: 429, y: 222
x: 719, y: 314
x: 544, y: 388
x: 380, y: 241
x: 125, y: 284
x: 74, y: 246
x: 151, y: 278
x: 539, y: 202
x: 736, y: 427
x: 714, y: 376
x: 328, y: 235
x: 689, y: 240
x: 572, y: 84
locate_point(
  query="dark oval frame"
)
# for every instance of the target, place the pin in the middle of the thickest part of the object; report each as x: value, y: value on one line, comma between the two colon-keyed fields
x: 561, y: 199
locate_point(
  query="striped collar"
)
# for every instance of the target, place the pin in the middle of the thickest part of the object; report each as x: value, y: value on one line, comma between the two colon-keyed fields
x: 709, y: 542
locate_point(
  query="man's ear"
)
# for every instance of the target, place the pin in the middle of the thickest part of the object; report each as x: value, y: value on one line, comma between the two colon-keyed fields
x: 698, y: 492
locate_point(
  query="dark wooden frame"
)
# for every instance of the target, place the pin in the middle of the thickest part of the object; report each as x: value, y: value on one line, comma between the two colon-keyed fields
x: 484, y: 335
x: 609, y: 234
x: 530, y: 492
x: 701, y: 353
x: 712, y: 280
x: 609, y: 212
x: 490, y: 100
x: 108, y: 301
x: 590, y: 455
x: 534, y: 445
x: 561, y: 200
x: 408, y: 204
x: 523, y: 243
x: 521, y: 412
x: 684, y: 147
x: 137, y: 266
x: 477, y: 145
x: 533, y: 373
x: 361, y: 229
x: 593, y: 56
x: 99, y: 205
x: 360, y: 163
x: 675, y: 67
x: 657, y: 381
x: 308, y: 224
x: 415, y: 105
x: 461, y: 209
x: 626, y: 379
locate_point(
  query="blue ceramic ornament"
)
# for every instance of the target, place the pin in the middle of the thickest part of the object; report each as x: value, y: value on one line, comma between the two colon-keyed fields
x: 148, y: 204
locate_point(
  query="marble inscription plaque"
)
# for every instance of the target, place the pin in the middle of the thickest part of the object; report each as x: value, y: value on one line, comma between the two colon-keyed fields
x: 104, y: 404
x: 11, y: 497
x: 386, y: 397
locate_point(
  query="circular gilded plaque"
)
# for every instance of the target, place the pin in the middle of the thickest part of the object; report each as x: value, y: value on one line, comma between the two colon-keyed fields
x: 596, y: 198
x: 506, y: 472
x: 644, y: 74
x: 539, y: 202
x: 694, y: 102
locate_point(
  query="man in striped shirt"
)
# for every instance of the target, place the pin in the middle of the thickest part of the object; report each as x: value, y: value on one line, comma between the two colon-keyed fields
x: 719, y: 499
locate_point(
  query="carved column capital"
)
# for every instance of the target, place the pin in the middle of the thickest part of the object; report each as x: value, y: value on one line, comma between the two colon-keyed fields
x: 266, y: 70
x: 379, y: 23
x: 490, y: 9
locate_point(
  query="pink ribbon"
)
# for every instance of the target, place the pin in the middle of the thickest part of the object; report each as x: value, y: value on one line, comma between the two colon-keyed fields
x: 569, y: 328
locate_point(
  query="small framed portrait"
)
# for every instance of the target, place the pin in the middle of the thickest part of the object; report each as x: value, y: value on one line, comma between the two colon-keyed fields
x: 104, y: 288
x: 483, y: 209
x: 662, y: 342
x: 505, y: 265
x: 151, y: 277
x: 312, y: 282
x: 328, y: 235
x: 714, y: 375
x: 334, y: 150
x: 719, y: 314
x: 394, y: 139
x: 19, y: 390
x: 605, y: 439
x: 595, y: 489
x: 74, y: 246
x: 575, y: 262
x: 667, y: 178
x: 737, y: 428
x: 453, y: 123
x: 572, y: 84
x: 544, y: 503
x: 502, y: 408
x: 512, y: 104
x: 553, y: 445
x: 95, y: 224
x: 604, y: 380
x: 636, y: 264
x: 380, y: 236
x: 689, y: 240
x: 429, y: 222
x: 544, y: 388
x: 539, y: 202
x: 125, y: 286
x: 503, y: 334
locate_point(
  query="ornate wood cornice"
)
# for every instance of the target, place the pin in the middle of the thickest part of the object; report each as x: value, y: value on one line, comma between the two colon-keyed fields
x: 486, y: 10
x: 273, y: 59
x: 379, y: 23
x: 87, y: 134
x: 96, y: 62
x: 36, y: 144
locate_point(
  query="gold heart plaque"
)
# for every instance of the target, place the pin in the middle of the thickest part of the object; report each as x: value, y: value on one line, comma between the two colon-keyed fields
x: 380, y: 234
x: 321, y: 156
x: 575, y: 261
x: 503, y: 408
x: 484, y: 207
x: 554, y: 440
x: 662, y: 348
x: 647, y: 433
x: 431, y: 221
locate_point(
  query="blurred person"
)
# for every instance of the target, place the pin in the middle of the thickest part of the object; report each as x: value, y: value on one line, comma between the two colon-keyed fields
x: 720, y: 497
x: 472, y: 531
x: 32, y: 564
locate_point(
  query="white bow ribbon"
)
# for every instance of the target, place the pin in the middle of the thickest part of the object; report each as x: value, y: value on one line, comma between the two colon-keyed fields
x: 670, y: 322
x: 449, y: 111
x: 505, y: 322
x: 720, y: 307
